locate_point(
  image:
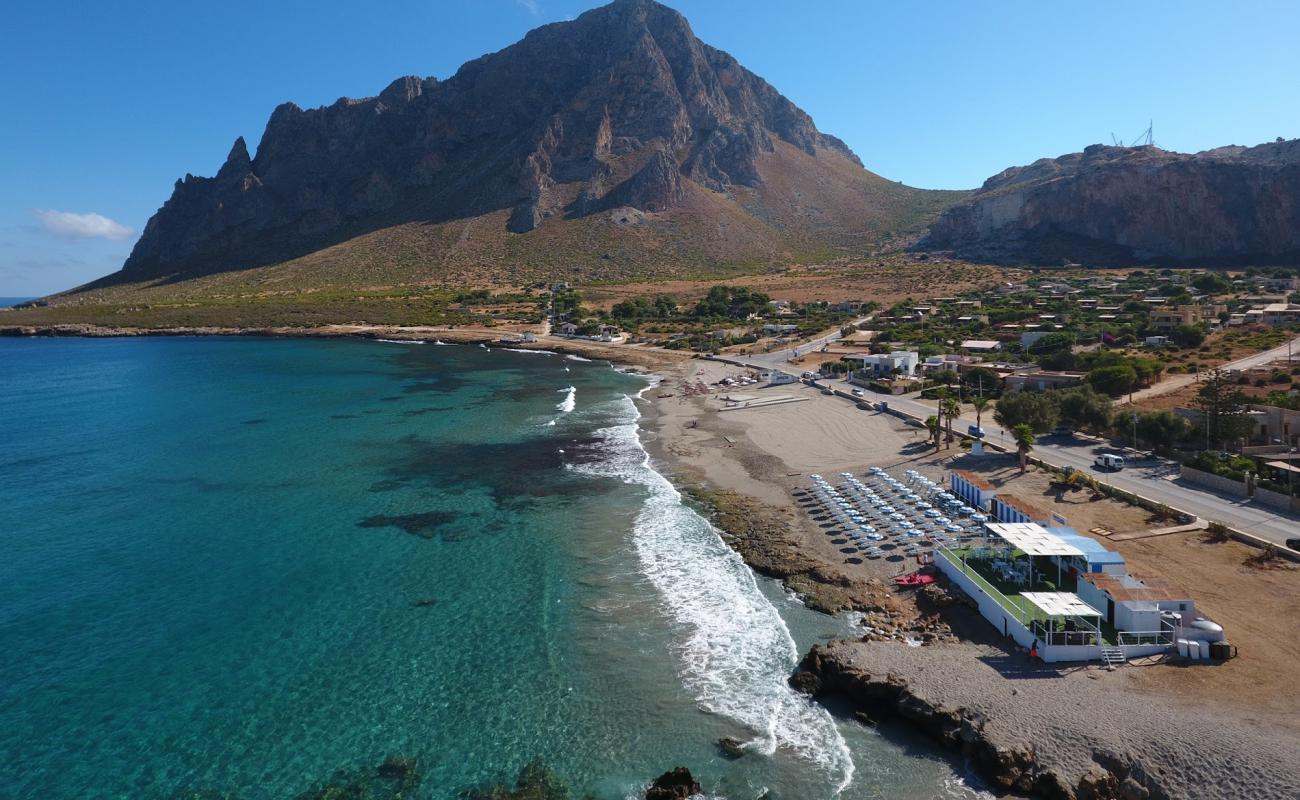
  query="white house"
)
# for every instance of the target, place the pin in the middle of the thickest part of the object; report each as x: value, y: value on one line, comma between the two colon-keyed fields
x: 904, y: 361
x: 981, y: 345
x: 1134, y: 604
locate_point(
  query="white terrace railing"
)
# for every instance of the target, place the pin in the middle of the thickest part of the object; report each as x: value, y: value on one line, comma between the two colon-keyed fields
x: 1163, y: 637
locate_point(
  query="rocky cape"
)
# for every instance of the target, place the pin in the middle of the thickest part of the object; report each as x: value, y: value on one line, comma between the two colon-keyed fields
x: 1119, y: 206
x: 618, y: 138
x: 1073, y: 734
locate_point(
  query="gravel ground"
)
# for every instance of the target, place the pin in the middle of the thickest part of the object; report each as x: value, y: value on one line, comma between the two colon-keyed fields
x: 1210, y: 750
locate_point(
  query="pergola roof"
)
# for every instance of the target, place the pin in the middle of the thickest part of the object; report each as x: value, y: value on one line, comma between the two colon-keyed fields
x: 1060, y: 604
x: 1033, y: 538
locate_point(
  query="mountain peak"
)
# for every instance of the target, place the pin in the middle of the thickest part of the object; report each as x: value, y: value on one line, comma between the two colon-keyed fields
x: 621, y: 106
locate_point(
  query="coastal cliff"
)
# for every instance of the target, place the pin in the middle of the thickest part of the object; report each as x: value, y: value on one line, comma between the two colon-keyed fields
x: 1117, y: 206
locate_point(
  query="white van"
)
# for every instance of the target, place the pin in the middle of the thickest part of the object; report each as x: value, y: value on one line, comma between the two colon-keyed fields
x: 1109, y: 462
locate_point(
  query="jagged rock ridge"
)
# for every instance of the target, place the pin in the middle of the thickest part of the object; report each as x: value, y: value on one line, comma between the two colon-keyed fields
x: 1116, y: 206
x: 622, y: 107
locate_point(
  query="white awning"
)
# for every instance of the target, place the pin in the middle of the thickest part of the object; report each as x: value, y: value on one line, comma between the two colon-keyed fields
x: 1033, y: 538
x: 1060, y: 604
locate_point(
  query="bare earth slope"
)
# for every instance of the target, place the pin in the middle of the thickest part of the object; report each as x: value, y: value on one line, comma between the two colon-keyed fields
x: 616, y: 145
x: 1116, y: 206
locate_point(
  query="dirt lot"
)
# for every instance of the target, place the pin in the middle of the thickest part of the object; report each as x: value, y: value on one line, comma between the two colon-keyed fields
x: 1257, y: 608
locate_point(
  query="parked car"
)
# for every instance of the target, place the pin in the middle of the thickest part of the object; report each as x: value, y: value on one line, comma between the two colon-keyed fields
x: 1062, y: 430
x: 976, y: 431
x: 857, y: 392
x: 1109, y: 462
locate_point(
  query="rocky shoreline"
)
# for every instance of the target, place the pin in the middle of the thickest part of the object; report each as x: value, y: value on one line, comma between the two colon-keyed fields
x: 1033, y: 730
x: 1008, y: 767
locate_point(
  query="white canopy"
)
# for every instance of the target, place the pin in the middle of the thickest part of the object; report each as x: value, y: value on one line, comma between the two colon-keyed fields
x: 1033, y: 538
x: 1060, y: 604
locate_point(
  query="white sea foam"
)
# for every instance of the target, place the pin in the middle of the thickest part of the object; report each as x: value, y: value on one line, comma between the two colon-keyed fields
x: 572, y: 357
x: 734, y: 648
x: 569, y: 402
x: 401, y: 341
x: 527, y: 350
x: 440, y: 343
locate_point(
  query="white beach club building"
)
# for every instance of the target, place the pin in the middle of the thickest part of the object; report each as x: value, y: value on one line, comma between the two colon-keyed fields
x: 1019, y: 578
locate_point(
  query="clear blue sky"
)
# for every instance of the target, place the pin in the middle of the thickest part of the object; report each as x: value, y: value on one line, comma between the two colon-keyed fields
x: 105, y: 105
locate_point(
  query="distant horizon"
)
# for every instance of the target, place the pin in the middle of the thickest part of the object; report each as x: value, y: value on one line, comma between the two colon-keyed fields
x: 934, y: 100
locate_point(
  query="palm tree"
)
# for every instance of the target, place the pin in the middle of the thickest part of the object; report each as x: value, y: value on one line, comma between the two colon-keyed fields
x: 979, y: 404
x: 1024, y: 436
x: 935, y: 427
x: 950, y: 407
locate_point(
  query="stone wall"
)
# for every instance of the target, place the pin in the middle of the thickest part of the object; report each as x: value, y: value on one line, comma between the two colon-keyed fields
x: 1209, y: 480
x: 1277, y: 500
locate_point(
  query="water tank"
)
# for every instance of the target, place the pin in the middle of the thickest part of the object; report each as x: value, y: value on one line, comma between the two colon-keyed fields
x: 1205, y: 630
x: 1194, y: 650
x: 1182, y: 648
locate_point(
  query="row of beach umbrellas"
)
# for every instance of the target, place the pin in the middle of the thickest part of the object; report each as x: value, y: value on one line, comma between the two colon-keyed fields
x: 882, y: 513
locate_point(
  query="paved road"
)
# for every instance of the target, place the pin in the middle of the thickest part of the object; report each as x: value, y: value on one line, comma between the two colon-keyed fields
x: 1155, y: 479
x: 1175, y: 382
x: 779, y: 359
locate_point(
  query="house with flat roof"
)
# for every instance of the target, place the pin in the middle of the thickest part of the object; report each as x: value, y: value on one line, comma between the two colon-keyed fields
x: 1167, y: 318
x: 1037, y: 380
x: 773, y: 328
x: 904, y: 361
x: 981, y: 345
x: 1280, y: 314
x: 1134, y: 604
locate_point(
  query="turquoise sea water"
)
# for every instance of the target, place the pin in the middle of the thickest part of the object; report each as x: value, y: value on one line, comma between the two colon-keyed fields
x: 240, y: 566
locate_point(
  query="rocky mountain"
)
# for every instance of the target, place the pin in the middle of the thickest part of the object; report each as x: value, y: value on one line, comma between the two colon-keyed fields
x: 1116, y: 206
x: 614, y: 143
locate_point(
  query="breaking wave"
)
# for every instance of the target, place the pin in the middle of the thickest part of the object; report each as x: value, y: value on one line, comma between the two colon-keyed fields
x: 569, y: 402
x: 734, y: 650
